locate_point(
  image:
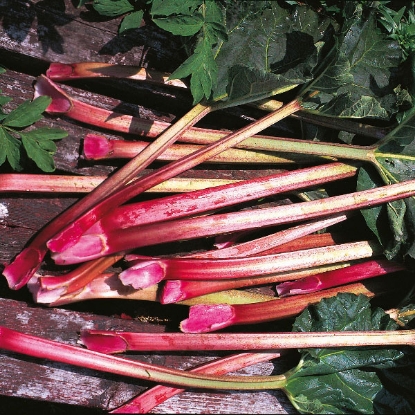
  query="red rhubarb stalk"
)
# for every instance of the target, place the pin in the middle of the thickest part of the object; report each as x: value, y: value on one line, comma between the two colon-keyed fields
x: 148, y: 400
x: 117, y: 240
x: 174, y: 291
x: 207, y: 318
x: 80, y: 70
x: 334, y: 278
x: 291, y: 239
x: 192, y: 203
x: 106, y: 341
x: 146, y: 272
x: 70, y: 234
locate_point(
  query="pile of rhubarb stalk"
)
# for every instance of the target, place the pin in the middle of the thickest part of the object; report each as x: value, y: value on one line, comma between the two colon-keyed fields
x: 235, y: 252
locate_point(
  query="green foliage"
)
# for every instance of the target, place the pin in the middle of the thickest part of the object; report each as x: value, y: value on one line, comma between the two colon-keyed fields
x: 338, y: 381
x: 400, y: 25
x: 393, y: 223
x: 36, y: 143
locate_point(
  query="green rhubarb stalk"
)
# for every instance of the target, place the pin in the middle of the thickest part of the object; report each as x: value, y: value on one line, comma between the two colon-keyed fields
x: 154, y: 396
x: 97, y: 147
x: 56, y: 183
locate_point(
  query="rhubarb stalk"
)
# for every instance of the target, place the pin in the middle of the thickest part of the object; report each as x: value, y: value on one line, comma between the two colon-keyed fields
x: 207, y: 318
x: 146, y: 401
x: 355, y: 272
x: 117, y: 240
x: 145, y: 272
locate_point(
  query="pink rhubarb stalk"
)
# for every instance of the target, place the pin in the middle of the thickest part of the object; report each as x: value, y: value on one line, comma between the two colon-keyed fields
x: 207, y: 318
x: 23, y: 267
x: 70, y: 234
x: 105, y: 341
x: 174, y: 291
x: 97, y: 147
x: 117, y: 240
x: 192, y: 203
x: 146, y: 272
x: 80, y: 70
x: 291, y: 239
x: 334, y: 278
x: 148, y: 400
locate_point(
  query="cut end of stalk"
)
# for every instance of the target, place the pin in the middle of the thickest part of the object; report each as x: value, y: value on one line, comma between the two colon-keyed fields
x: 19, y: 272
x: 88, y: 247
x: 60, y: 71
x: 302, y: 286
x: 172, y: 292
x: 41, y: 295
x: 60, y: 104
x: 104, y: 343
x: 96, y: 147
x: 143, y: 275
x: 204, y: 318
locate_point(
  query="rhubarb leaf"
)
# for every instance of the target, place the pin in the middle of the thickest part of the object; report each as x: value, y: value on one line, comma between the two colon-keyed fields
x: 393, y: 223
x: 10, y: 150
x: 269, y: 50
x: 360, y: 81
x: 341, y: 380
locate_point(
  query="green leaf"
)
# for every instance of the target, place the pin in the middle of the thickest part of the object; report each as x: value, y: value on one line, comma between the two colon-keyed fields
x: 360, y: 81
x: 182, y: 25
x: 9, y: 150
x: 27, y: 113
x: 269, y: 49
x: 112, y: 8
x: 36, y: 151
x: 335, y: 380
x: 203, y: 70
x: 131, y: 21
x: 394, y: 223
x: 176, y: 7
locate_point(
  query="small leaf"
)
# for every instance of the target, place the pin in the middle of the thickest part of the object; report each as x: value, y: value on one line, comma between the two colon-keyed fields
x: 27, y: 113
x: 112, y: 8
x: 46, y: 134
x: 41, y: 157
x: 181, y: 25
x: 131, y: 21
x: 176, y: 7
x: 10, y: 150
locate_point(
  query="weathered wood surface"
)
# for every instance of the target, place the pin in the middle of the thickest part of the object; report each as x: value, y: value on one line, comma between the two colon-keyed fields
x: 33, y: 34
